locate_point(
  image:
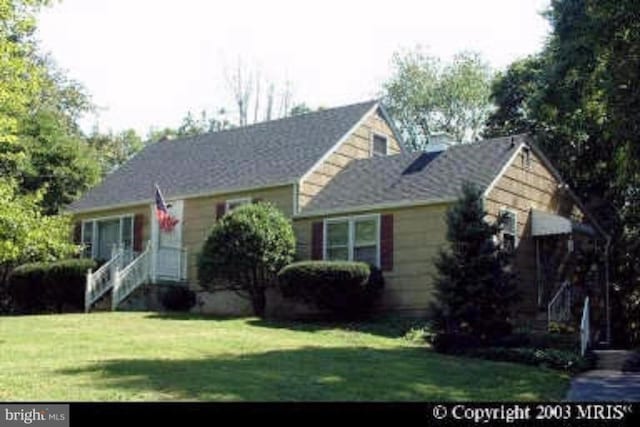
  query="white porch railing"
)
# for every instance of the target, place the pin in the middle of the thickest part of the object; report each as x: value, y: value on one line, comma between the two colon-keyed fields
x: 168, y: 264
x: 559, y: 308
x: 100, y: 281
x: 585, y: 328
x: 133, y: 275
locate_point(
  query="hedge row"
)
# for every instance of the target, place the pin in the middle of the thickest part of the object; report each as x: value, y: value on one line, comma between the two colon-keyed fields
x: 562, y: 360
x: 46, y: 287
x: 518, y: 348
x: 344, y: 289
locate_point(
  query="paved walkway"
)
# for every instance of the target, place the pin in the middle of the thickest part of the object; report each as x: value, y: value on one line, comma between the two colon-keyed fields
x: 605, y: 385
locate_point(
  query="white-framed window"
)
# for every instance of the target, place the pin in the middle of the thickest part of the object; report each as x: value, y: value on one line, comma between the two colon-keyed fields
x: 354, y: 238
x: 231, y: 204
x: 379, y: 145
x: 509, y: 237
x: 100, y: 234
x: 87, y: 238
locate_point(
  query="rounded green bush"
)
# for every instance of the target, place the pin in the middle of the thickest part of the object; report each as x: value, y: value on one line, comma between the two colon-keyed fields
x: 245, y: 250
x: 54, y: 286
x: 345, y: 289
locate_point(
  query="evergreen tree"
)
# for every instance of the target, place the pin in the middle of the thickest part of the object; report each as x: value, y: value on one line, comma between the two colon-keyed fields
x: 475, y: 285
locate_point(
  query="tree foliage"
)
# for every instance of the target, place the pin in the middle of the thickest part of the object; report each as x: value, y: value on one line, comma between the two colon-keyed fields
x: 580, y: 98
x: 426, y: 96
x: 26, y: 235
x: 114, y: 148
x: 59, y: 162
x: 20, y: 77
x: 41, y: 146
x: 245, y: 251
x: 475, y: 286
x: 192, y: 125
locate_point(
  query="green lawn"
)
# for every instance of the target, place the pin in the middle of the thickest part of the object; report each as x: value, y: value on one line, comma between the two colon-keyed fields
x: 145, y: 356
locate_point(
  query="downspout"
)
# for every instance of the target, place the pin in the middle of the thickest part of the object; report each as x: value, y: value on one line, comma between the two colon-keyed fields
x: 606, y: 282
x: 296, y: 197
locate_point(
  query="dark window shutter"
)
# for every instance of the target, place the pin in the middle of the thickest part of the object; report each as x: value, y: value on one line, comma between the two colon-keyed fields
x: 77, y: 232
x: 386, y: 242
x: 221, y: 209
x: 138, y: 228
x: 317, y: 235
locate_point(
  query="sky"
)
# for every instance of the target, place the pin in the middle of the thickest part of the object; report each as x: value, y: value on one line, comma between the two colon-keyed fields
x: 148, y: 62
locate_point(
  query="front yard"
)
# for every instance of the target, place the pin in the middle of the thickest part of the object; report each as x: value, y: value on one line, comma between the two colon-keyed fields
x: 147, y: 356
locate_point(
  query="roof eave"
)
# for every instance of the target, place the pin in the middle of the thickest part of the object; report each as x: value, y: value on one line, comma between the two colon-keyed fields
x: 573, y: 195
x: 394, y: 130
x: 343, y: 138
x: 376, y: 206
x: 179, y: 197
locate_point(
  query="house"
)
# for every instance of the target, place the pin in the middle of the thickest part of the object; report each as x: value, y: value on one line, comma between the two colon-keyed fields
x: 351, y: 192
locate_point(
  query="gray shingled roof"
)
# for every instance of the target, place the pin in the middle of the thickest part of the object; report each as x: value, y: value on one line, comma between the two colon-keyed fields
x: 268, y: 153
x: 415, y: 176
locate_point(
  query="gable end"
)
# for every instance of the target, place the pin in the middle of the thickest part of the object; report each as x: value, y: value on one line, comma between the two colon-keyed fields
x: 355, y: 144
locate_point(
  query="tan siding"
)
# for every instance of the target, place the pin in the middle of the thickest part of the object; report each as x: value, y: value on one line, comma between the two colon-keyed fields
x: 521, y: 189
x: 200, y: 215
x: 419, y: 234
x: 357, y: 146
x: 135, y: 210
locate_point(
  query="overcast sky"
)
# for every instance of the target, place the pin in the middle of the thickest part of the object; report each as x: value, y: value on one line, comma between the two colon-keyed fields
x: 148, y: 62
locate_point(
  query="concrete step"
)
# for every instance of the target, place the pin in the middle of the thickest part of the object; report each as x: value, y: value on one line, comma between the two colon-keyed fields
x: 612, y: 360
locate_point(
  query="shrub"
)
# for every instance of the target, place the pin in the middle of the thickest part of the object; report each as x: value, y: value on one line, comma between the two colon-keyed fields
x: 519, y: 339
x: 454, y: 342
x: 561, y: 328
x: 562, y: 360
x: 419, y: 335
x: 55, y: 286
x: 475, y: 285
x: 346, y: 289
x: 178, y: 298
x: 245, y: 251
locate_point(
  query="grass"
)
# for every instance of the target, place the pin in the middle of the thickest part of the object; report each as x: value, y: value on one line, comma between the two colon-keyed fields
x: 144, y: 356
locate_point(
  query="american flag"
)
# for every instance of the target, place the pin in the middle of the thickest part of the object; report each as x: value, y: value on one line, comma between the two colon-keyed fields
x: 165, y: 220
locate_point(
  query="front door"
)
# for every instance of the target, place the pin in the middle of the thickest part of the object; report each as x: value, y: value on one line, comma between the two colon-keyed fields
x: 108, y: 236
x: 168, y: 245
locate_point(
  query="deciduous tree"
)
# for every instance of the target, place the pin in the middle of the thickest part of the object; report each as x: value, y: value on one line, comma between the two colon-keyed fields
x: 426, y: 96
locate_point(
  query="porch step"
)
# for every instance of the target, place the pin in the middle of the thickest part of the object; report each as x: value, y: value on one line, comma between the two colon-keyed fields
x: 536, y: 325
x: 612, y: 360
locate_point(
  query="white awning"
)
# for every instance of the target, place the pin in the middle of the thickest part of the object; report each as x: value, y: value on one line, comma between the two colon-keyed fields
x: 547, y: 224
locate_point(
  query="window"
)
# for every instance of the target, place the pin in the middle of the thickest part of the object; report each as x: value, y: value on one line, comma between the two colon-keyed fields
x: 509, y: 230
x: 234, y: 203
x: 353, y: 239
x: 338, y: 240
x: 379, y: 145
x: 99, y: 236
x: 127, y: 233
x: 87, y: 239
